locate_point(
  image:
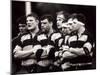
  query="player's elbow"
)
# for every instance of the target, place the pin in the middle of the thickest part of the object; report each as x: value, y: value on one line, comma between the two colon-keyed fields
x: 16, y: 55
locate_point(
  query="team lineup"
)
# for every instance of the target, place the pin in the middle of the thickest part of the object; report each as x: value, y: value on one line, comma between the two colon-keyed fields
x: 39, y: 47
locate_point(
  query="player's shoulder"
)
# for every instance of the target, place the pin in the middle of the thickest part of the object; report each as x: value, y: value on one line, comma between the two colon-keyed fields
x: 41, y: 36
x: 55, y: 36
x: 25, y: 36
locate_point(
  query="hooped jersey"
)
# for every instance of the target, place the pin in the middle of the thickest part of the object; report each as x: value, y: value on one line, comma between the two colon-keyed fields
x: 47, y: 45
x: 74, y: 41
x: 27, y: 42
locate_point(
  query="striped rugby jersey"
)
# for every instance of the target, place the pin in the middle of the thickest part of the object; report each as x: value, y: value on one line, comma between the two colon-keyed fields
x: 74, y: 41
x: 27, y: 42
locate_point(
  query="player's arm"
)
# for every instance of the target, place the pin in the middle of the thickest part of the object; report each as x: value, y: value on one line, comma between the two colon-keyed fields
x: 85, y: 50
x: 77, y: 51
x: 19, y: 53
x: 68, y: 54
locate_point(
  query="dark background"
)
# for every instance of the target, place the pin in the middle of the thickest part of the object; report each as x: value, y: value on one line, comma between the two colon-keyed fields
x: 18, y: 10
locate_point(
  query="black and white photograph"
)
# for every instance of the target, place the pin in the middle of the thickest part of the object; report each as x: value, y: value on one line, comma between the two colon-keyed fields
x: 51, y: 37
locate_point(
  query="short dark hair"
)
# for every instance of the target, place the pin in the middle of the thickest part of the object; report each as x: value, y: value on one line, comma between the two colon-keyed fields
x: 21, y: 20
x: 33, y: 15
x: 47, y: 16
x: 79, y: 16
x: 66, y: 14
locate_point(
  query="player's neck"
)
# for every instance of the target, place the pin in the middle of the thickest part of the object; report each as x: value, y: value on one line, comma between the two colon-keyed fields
x: 50, y: 32
x: 81, y: 30
x: 35, y: 30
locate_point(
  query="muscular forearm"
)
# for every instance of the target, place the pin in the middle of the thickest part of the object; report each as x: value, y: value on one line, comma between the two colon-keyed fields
x: 77, y: 51
x: 23, y: 54
x: 19, y: 53
x: 86, y: 49
x: 68, y: 55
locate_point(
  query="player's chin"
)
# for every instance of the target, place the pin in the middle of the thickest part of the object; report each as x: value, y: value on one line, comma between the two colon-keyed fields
x: 30, y: 28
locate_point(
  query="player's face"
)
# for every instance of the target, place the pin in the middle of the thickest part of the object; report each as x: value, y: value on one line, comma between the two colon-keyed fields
x: 22, y: 27
x: 45, y: 25
x: 74, y: 24
x: 31, y: 23
x: 66, y: 29
x: 60, y: 18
